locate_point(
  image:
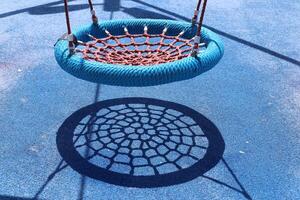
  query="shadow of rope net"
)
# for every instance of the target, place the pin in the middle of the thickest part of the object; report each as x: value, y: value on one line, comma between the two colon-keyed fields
x: 140, y: 142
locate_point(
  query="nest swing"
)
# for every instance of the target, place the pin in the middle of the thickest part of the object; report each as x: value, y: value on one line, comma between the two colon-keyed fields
x: 138, y: 52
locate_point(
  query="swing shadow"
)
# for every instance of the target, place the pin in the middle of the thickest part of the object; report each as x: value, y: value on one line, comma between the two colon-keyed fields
x: 89, y: 160
x: 7, y: 197
x: 30, y: 9
x: 46, y: 9
x: 140, y: 150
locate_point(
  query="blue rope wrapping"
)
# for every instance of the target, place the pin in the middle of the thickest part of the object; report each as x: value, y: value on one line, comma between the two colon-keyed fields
x: 138, y: 76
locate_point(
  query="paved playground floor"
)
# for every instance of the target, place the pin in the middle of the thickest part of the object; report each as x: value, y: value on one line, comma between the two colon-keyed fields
x: 252, y: 96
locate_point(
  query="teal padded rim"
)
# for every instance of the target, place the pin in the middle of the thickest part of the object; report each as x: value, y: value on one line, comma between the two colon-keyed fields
x: 137, y: 76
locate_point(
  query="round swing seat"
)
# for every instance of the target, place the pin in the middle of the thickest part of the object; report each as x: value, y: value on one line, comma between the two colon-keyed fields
x: 138, y: 52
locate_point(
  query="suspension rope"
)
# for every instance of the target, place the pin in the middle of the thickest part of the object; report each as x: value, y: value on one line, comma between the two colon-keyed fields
x: 93, y: 13
x: 202, y: 17
x: 70, y: 37
x: 198, y: 34
x: 72, y: 40
x: 196, y: 13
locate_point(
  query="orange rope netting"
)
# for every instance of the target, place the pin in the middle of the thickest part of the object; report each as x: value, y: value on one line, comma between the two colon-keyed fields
x: 136, y: 49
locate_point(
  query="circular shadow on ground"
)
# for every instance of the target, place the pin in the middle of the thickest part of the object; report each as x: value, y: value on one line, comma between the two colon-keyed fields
x: 140, y: 142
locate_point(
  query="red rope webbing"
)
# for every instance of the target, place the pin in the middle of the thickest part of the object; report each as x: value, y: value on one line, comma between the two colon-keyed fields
x: 131, y: 52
